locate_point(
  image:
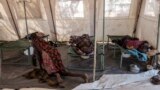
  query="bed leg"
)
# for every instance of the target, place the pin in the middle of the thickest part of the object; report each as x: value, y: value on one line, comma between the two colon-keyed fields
x: 121, y: 60
x: 29, y: 56
x: 1, y: 58
x: 114, y: 51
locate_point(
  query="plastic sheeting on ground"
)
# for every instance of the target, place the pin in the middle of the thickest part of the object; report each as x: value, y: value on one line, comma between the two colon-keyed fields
x: 113, y: 82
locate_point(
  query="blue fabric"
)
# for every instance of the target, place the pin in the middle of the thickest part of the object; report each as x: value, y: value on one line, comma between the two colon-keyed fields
x: 140, y: 56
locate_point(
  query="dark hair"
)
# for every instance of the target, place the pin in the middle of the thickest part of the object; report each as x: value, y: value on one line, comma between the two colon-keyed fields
x: 31, y: 36
x: 54, y: 44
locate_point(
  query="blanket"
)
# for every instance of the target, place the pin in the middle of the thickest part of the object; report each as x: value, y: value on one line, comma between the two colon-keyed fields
x: 107, y: 82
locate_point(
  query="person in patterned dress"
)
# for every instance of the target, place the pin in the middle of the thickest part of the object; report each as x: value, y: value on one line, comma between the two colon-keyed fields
x: 50, y: 59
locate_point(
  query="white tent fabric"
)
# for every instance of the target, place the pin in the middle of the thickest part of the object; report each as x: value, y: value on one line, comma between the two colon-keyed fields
x: 71, y: 17
x: 76, y: 17
x: 114, y: 81
x: 148, y: 21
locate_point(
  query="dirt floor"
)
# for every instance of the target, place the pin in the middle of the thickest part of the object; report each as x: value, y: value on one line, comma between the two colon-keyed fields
x: 12, y: 73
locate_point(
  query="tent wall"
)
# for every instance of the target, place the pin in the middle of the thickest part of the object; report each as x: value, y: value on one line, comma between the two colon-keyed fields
x: 7, y: 28
x: 116, y: 25
x: 38, y: 14
x: 148, y: 24
x: 67, y: 26
x: 73, y: 17
x: 39, y: 19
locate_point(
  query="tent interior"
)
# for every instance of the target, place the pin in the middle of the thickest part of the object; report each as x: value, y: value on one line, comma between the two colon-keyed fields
x: 58, y: 20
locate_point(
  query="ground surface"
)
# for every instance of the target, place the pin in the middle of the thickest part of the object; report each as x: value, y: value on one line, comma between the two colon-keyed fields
x: 11, y: 74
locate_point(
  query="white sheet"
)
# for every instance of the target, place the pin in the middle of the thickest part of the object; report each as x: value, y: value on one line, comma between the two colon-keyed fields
x: 112, y: 82
x: 26, y: 52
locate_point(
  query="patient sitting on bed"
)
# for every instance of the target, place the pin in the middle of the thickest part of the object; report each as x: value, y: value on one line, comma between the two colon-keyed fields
x: 50, y: 58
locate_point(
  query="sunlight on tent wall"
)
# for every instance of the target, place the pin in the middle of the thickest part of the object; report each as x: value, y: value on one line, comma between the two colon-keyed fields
x: 36, y: 16
x: 120, y: 17
x: 7, y: 31
x: 71, y: 9
x: 117, y: 8
x: 32, y: 8
x: 150, y: 8
x: 75, y: 17
x: 71, y: 19
x: 148, y: 21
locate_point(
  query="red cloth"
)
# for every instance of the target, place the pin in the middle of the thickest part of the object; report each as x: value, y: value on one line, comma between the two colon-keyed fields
x: 134, y: 43
x: 51, y: 62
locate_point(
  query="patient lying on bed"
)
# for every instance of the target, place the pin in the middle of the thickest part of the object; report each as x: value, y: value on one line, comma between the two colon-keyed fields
x: 142, y: 50
x: 50, y: 58
x: 82, y: 45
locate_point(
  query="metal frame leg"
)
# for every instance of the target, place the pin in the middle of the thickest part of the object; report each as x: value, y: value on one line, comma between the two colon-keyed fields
x: 102, y: 61
x: 121, y: 61
x: 114, y: 51
x: 155, y: 61
x: 1, y: 59
x: 108, y: 43
x: 29, y: 56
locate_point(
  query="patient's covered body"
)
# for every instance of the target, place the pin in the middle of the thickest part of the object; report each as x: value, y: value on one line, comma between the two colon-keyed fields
x: 50, y: 62
x: 82, y: 45
x: 137, y: 48
x: 50, y: 57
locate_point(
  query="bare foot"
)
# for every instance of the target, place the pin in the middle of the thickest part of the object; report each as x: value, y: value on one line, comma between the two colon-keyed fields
x: 85, y: 77
x: 61, y: 85
x: 60, y: 80
x: 51, y: 82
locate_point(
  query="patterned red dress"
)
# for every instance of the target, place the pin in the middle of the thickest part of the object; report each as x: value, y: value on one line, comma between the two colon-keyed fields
x: 51, y: 58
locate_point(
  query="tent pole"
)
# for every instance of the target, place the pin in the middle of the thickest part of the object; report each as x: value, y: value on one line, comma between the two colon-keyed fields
x: 103, y: 51
x: 17, y: 31
x: 1, y: 65
x: 26, y: 22
x: 55, y: 31
x: 95, y: 43
x: 137, y: 17
x: 158, y: 31
x: 24, y: 3
x: 94, y: 17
